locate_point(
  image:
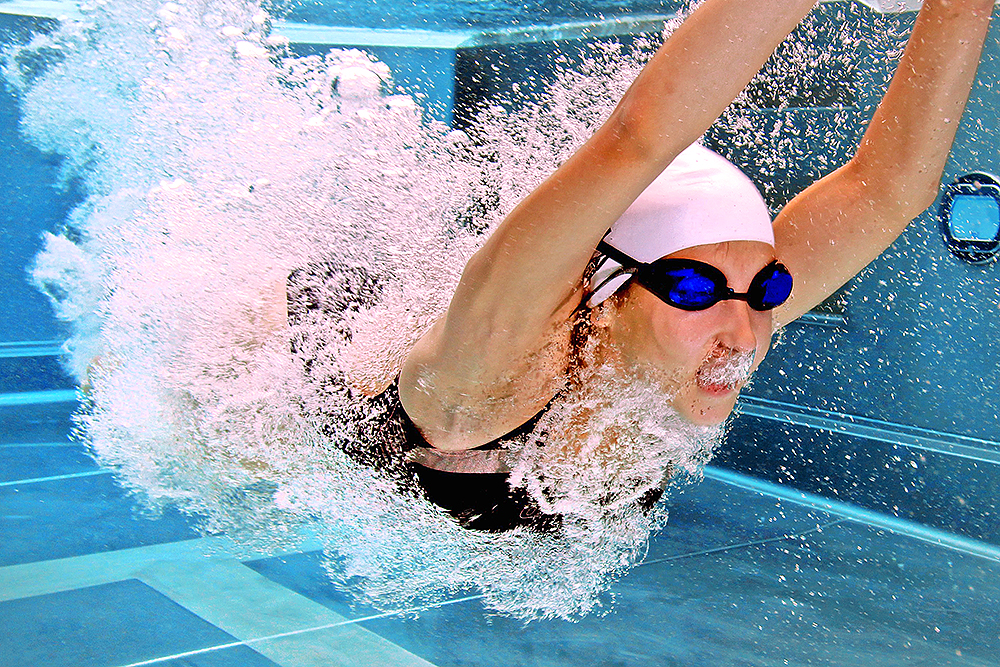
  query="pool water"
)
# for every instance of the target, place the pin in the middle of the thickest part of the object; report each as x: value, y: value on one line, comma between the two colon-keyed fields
x: 849, y: 518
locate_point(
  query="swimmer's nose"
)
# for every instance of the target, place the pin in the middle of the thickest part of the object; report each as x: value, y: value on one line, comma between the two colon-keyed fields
x: 738, y: 332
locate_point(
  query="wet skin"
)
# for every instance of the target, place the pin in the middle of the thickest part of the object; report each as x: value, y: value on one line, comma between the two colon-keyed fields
x: 670, y: 345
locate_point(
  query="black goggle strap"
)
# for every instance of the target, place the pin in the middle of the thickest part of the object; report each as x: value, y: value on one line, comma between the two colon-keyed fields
x: 625, y: 266
x: 620, y: 271
x: 630, y: 265
x: 620, y: 257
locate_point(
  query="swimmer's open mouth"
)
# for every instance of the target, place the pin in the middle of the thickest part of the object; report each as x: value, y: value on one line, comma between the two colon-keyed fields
x: 725, y: 374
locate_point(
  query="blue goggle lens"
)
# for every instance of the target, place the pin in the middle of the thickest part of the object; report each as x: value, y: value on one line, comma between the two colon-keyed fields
x: 775, y: 288
x: 689, y: 287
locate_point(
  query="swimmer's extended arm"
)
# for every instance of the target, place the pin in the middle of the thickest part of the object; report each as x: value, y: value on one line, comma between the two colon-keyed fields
x: 841, y: 223
x: 525, y: 280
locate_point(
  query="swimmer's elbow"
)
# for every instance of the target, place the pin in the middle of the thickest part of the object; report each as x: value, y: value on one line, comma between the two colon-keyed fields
x: 907, y: 201
x: 894, y: 194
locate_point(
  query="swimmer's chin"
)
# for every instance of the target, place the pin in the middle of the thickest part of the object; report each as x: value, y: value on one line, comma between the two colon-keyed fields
x: 710, y: 407
x: 710, y: 417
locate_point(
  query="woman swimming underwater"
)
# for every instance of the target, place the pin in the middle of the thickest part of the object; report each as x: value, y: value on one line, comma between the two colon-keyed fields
x: 663, y: 256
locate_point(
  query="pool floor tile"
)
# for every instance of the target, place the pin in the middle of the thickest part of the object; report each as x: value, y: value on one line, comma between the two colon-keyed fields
x: 735, y: 578
x: 23, y: 374
x: 807, y: 603
x: 773, y: 604
x: 26, y: 462
x: 111, y: 625
x: 703, y: 516
x: 847, y: 594
x: 711, y: 514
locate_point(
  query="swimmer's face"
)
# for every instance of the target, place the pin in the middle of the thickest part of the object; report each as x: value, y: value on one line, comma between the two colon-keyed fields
x: 702, y: 358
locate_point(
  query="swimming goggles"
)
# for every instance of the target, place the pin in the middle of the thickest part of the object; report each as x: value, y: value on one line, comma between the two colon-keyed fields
x: 692, y: 285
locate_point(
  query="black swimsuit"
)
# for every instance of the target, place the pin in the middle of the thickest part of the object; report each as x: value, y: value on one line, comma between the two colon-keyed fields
x: 473, y: 485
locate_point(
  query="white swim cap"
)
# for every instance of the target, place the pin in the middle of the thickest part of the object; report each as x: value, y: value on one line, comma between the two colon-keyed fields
x: 701, y: 198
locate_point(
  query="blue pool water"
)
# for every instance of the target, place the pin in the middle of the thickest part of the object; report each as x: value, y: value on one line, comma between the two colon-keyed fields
x: 850, y: 516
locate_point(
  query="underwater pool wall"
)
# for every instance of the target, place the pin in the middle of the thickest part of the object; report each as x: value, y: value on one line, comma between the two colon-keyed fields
x: 455, y: 74
x: 34, y: 201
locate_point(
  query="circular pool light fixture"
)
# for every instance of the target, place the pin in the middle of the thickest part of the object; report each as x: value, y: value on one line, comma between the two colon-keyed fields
x: 970, y: 217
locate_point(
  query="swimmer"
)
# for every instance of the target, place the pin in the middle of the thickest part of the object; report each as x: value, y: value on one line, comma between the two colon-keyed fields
x: 669, y: 250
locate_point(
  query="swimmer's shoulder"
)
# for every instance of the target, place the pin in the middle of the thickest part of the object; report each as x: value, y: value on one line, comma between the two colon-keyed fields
x: 456, y: 407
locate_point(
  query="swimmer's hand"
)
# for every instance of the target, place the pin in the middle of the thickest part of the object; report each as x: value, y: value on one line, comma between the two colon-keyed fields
x: 275, y: 304
x: 87, y: 385
x: 97, y: 367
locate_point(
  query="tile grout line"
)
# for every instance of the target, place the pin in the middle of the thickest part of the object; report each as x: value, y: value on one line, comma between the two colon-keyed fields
x: 351, y: 621
x: 742, y: 545
x: 55, y: 478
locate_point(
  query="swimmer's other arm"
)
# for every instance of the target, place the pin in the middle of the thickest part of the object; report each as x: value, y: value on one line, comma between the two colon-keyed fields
x: 525, y: 281
x: 841, y: 223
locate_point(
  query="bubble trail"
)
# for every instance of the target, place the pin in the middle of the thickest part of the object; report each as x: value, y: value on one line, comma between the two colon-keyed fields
x: 215, y: 165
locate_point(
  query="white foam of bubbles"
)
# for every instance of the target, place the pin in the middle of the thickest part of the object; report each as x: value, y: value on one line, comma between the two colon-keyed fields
x: 211, y: 173
x: 730, y: 368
